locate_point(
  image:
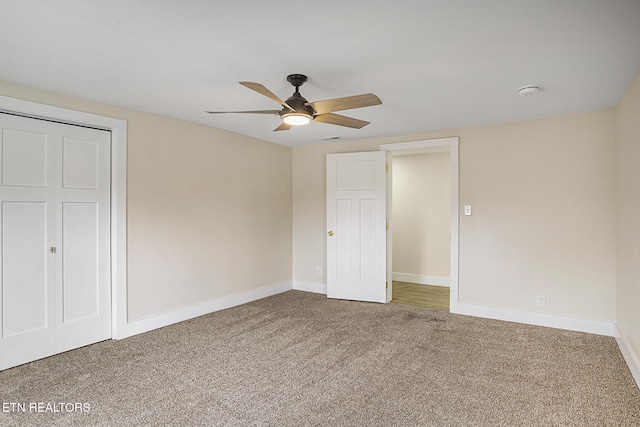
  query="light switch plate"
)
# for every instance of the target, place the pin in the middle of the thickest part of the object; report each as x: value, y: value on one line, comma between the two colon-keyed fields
x: 467, y: 209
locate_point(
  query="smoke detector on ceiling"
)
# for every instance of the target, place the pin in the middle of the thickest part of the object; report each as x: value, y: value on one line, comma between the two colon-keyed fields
x: 528, y: 90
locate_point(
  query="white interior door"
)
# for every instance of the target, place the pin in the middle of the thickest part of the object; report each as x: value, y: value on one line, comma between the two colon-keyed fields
x: 55, y: 243
x: 356, y: 226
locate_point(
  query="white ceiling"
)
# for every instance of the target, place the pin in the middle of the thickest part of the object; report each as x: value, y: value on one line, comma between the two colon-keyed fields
x: 436, y: 64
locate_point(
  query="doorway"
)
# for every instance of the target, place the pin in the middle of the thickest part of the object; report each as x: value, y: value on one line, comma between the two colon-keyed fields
x: 429, y: 275
x: 421, y: 228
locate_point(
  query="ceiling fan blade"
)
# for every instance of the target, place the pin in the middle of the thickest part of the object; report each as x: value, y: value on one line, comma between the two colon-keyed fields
x: 336, y: 119
x: 283, y: 126
x: 346, y: 103
x: 266, y: 92
x: 247, y: 112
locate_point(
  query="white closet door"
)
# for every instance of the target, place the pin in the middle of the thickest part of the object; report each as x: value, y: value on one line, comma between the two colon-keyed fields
x: 54, y: 274
x: 82, y: 224
x: 27, y: 276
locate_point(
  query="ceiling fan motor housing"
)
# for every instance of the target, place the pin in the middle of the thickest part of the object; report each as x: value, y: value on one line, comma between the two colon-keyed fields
x: 299, y: 104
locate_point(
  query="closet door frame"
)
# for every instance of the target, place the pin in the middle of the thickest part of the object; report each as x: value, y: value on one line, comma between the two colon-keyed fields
x: 118, y: 128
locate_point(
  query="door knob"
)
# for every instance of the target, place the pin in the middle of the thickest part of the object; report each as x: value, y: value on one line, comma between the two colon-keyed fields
x: 330, y: 233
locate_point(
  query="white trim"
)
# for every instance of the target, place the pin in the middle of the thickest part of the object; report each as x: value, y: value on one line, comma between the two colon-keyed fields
x: 422, y: 280
x: 629, y: 356
x: 222, y: 303
x: 118, y: 130
x: 389, y: 242
x: 421, y: 144
x: 598, y: 327
x: 318, y: 288
x: 452, y: 143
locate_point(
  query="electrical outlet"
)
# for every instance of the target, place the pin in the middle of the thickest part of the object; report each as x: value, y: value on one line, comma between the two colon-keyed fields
x: 540, y: 301
x: 319, y: 271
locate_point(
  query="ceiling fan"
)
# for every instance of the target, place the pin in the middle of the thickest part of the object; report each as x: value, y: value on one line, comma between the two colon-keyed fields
x: 296, y: 110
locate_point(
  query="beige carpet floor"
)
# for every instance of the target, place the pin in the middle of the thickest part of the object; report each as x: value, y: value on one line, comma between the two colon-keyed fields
x: 299, y: 359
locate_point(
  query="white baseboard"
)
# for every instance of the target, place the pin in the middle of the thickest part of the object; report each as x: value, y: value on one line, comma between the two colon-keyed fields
x: 598, y: 327
x: 422, y: 280
x: 318, y: 288
x: 180, y: 315
x: 632, y: 359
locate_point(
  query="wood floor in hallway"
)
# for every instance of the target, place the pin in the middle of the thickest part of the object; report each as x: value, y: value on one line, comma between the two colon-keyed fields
x: 417, y: 295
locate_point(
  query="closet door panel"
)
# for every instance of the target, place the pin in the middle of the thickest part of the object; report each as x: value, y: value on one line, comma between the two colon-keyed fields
x: 25, y: 288
x: 80, y: 158
x: 80, y: 282
x: 24, y: 158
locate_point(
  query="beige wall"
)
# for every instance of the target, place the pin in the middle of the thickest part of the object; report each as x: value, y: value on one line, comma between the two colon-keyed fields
x: 543, y: 223
x: 421, y: 214
x: 209, y: 212
x: 628, y: 226
x: 543, y: 220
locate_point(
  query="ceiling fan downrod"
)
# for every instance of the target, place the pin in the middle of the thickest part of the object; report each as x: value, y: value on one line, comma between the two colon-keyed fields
x: 297, y: 80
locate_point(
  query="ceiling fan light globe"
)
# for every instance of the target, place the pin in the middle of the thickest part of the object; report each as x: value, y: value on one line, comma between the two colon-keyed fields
x: 296, y: 119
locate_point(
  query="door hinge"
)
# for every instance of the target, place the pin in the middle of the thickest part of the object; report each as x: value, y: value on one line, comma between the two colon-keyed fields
x: 386, y: 167
x: 52, y: 249
x: 386, y: 285
x: 387, y: 225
